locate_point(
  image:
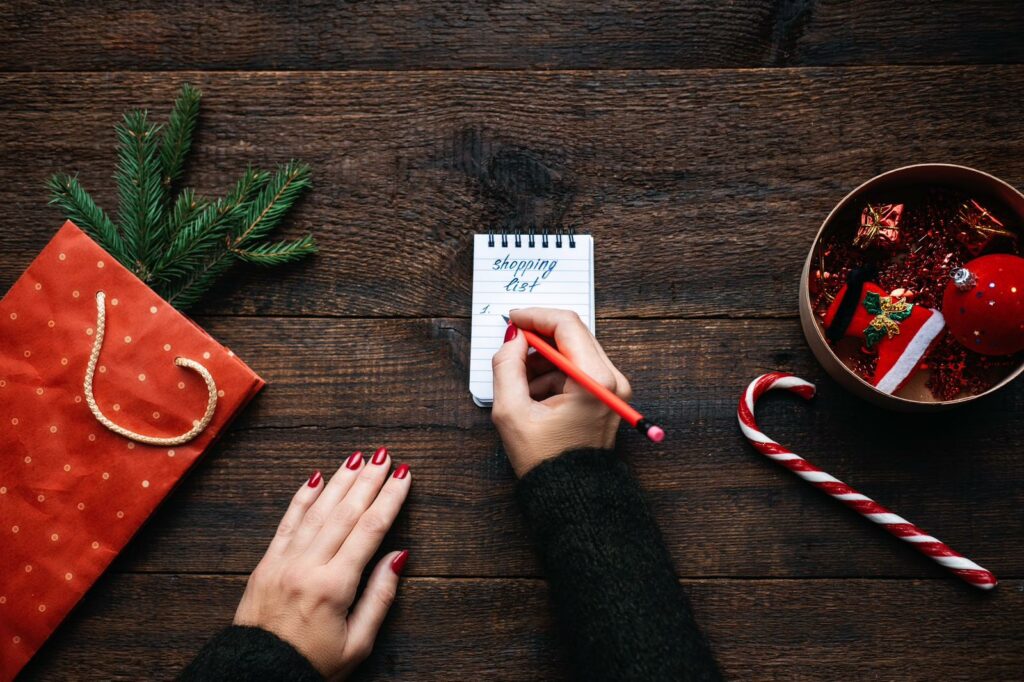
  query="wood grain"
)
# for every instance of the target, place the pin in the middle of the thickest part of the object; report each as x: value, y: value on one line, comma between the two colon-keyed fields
x: 500, y: 629
x: 703, y: 189
x: 517, y: 34
x: 703, y: 181
x: 339, y: 385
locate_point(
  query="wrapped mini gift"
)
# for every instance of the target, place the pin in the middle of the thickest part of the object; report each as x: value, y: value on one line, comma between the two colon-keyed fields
x: 108, y: 396
x: 978, y: 227
x: 879, y: 226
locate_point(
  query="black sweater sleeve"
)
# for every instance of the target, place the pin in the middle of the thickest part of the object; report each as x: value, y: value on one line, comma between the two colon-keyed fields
x: 247, y: 654
x: 616, y: 598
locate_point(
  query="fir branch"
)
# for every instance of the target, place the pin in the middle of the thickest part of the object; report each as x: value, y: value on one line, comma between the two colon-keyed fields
x: 186, y: 208
x: 278, y: 253
x: 176, y: 140
x: 181, y: 246
x: 67, y: 193
x: 273, y: 202
x: 142, y: 195
x: 186, y: 293
x: 206, y: 234
x: 275, y: 197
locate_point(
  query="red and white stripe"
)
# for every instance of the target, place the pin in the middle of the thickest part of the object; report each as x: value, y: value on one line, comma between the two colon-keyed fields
x: 895, y: 524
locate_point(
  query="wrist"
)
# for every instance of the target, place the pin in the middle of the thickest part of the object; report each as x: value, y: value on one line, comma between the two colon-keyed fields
x: 525, y: 462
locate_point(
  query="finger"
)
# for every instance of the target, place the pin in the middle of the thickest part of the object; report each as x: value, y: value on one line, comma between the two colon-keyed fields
x: 362, y: 543
x: 366, y: 618
x: 343, y: 518
x: 622, y: 387
x: 547, y: 385
x: 511, y: 388
x: 564, y: 326
x: 571, y: 336
x: 537, y: 364
x: 304, y: 497
x: 333, y: 492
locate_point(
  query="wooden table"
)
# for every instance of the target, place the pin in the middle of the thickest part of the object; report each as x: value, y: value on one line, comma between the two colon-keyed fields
x: 701, y: 144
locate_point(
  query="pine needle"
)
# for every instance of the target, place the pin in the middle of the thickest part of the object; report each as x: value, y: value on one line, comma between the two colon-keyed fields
x: 274, y: 196
x: 276, y: 199
x: 206, y: 235
x: 186, y: 293
x: 278, y: 253
x: 138, y: 182
x: 78, y: 206
x: 177, y: 136
x: 181, y: 246
x: 186, y: 208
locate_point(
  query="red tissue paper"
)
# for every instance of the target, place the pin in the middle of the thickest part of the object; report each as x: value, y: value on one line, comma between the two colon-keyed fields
x: 72, y: 491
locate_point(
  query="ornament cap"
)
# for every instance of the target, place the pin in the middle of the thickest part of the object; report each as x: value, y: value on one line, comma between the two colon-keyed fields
x: 963, y: 279
x: 988, y: 318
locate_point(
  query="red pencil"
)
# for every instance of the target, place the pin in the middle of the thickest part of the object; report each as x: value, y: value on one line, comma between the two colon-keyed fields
x: 620, y: 406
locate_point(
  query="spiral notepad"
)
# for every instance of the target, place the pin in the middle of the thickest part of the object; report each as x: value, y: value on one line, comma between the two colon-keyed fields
x: 523, y: 271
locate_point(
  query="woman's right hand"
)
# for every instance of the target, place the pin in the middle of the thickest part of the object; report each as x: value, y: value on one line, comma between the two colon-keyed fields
x: 540, y: 413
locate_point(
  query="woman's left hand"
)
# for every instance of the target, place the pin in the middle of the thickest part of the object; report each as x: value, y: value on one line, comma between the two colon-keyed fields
x: 304, y: 588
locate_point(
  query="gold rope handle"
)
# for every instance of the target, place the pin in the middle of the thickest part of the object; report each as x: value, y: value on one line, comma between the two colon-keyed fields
x: 197, y: 428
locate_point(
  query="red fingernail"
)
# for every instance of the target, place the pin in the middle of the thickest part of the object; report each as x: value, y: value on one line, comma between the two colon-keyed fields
x: 401, y: 471
x: 380, y: 456
x: 354, y: 460
x: 398, y: 563
x: 511, y: 332
x: 315, y: 479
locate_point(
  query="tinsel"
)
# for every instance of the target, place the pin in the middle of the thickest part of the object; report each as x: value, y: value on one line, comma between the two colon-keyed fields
x: 919, y: 270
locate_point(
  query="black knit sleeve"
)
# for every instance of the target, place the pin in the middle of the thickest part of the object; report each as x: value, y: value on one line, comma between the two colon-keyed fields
x: 247, y: 654
x: 616, y: 598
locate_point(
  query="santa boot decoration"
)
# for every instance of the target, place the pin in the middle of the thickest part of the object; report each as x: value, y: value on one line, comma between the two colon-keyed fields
x: 901, y: 332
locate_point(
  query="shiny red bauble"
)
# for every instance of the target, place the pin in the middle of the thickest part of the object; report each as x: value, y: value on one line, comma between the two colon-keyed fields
x: 984, y: 305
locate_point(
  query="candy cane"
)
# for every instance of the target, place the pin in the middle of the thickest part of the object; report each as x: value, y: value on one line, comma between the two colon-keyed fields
x: 896, y: 525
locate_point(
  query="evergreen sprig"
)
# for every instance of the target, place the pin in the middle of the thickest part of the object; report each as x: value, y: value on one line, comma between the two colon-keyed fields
x: 278, y: 253
x: 67, y: 193
x: 141, y: 210
x: 177, y: 139
x: 181, y: 245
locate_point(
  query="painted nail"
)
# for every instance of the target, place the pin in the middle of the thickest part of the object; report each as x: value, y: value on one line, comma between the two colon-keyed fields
x: 380, y: 456
x: 511, y: 332
x: 315, y: 479
x: 398, y: 563
x: 402, y: 471
x: 355, y: 460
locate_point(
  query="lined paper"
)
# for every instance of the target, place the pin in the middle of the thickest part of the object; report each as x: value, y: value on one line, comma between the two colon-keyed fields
x: 506, y: 277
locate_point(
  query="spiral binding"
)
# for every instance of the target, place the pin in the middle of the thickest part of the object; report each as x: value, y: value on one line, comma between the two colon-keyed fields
x: 531, y: 237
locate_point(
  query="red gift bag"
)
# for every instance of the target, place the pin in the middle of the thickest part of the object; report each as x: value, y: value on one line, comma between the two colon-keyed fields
x: 82, y: 467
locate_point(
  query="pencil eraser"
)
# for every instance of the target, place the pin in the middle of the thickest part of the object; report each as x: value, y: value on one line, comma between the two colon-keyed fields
x: 656, y: 434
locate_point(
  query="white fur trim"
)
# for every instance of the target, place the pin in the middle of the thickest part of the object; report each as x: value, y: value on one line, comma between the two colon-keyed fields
x: 916, y: 349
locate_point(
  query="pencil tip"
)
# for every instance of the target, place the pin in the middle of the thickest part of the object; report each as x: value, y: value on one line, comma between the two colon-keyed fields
x: 505, y: 317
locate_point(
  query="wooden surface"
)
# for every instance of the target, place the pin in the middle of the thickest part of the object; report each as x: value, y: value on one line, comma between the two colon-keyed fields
x: 703, y: 181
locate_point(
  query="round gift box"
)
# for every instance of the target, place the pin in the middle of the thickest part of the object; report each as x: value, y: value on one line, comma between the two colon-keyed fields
x: 915, y: 397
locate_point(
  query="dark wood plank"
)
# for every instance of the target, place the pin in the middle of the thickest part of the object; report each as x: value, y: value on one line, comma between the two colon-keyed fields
x: 704, y: 189
x: 148, y: 627
x: 340, y: 385
x: 559, y: 34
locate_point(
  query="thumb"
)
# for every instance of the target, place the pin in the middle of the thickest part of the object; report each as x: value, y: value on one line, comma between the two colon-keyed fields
x: 511, y: 387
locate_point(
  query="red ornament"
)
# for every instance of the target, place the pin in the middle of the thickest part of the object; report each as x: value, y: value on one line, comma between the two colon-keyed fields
x: 984, y: 304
